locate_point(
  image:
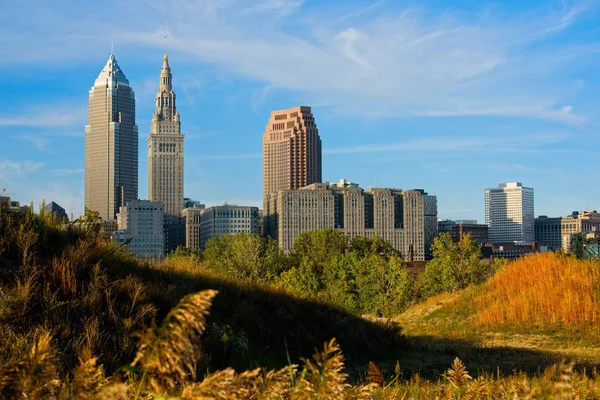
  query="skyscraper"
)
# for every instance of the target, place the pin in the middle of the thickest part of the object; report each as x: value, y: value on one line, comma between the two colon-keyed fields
x: 509, y: 213
x: 291, y: 157
x: 291, y: 150
x: 111, y: 143
x: 165, y: 159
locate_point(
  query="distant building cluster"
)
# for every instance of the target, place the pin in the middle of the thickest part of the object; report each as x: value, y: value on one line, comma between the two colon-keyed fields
x: 295, y: 198
x: 556, y: 233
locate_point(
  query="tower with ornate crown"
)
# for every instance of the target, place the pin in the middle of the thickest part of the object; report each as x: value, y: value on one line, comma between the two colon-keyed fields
x: 165, y: 159
x: 111, y: 143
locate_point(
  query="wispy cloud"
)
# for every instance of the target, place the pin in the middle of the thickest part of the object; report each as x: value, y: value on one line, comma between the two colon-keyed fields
x: 49, y: 115
x: 40, y: 143
x: 17, y: 169
x: 513, y: 144
x: 404, y: 62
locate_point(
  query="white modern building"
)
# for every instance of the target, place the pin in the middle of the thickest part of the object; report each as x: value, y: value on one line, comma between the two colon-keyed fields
x: 509, y: 213
x: 141, y: 228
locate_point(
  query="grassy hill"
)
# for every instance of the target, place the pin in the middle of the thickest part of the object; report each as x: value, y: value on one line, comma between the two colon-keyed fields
x: 533, y: 312
x: 91, y: 296
x: 73, y: 309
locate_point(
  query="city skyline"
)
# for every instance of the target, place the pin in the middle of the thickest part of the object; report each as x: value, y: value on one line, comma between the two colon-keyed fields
x: 399, y: 132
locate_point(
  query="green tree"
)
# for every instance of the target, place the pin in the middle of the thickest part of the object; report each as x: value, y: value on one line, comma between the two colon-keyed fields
x: 454, y: 265
x: 578, y: 243
x: 319, y: 246
x: 377, y: 245
x: 384, y: 287
x: 244, y: 255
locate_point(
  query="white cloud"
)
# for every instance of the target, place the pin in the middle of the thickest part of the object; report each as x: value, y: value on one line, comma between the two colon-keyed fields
x: 49, y: 115
x: 408, y: 62
x: 18, y: 169
x: 523, y: 143
x: 39, y: 142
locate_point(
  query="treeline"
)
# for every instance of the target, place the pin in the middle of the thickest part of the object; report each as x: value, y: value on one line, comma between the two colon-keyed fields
x: 362, y: 276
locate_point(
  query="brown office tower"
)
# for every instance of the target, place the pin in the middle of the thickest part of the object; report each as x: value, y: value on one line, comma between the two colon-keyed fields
x: 111, y: 143
x: 165, y: 160
x: 291, y: 155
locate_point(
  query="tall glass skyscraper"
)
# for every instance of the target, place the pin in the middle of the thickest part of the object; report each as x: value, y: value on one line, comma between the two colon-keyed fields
x: 111, y: 143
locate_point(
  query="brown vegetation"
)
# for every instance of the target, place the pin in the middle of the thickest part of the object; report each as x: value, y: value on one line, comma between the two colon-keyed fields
x: 77, y: 320
x: 545, y: 290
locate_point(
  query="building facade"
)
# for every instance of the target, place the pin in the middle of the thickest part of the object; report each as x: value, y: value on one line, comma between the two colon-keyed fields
x: 192, y: 217
x: 407, y: 219
x: 509, y: 213
x: 460, y: 228
x: 478, y: 232
x: 58, y: 211
x: 291, y: 150
x: 140, y: 225
x: 585, y: 221
x: 548, y: 232
x: 227, y: 220
x: 165, y: 159
x: 111, y: 143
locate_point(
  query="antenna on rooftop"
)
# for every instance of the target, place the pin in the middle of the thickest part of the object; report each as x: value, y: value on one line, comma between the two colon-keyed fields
x: 112, y: 48
x: 165, y: 37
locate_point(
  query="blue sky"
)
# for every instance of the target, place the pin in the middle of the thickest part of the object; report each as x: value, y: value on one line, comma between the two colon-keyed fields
x: 451, y: 97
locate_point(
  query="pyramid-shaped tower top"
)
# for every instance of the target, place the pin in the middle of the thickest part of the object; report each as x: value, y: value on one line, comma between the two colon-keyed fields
x: 111, y: 73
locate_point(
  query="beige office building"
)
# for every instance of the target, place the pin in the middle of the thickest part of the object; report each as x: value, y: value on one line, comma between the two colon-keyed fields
x: 407, y: 219
x: 111, y: 143
x: 585, y: 221
x: 165, y: 159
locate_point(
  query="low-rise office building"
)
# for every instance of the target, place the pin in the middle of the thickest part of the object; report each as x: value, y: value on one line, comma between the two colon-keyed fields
x: 141, y: 228
x: 407, y: 219
x: 227, y: 219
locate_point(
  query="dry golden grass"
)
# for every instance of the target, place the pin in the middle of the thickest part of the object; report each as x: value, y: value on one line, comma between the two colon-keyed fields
x: 544, y: 290
x: 166, y: 355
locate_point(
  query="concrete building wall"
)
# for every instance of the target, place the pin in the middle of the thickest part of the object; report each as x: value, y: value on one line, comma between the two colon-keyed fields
x: 111, y: 143
x: 192, y: 218
x: 140, y: 225
x: 548, y: 232
x: 227, y: 220
x: 586, y: 221
x: 304, y: 210
x: 408, y: 220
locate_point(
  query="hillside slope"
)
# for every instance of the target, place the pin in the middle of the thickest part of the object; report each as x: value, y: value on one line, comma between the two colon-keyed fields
x: 533, y: 312
x: 93, y: 297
